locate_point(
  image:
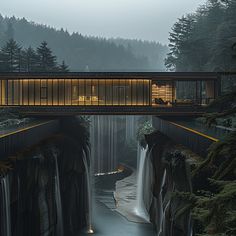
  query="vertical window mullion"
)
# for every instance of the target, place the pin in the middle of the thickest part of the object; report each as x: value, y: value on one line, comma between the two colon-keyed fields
x: 91, y: 89
x: 28, y: 91
x: 34, y: 94
x: 78, y: 86
x: 85, y: 95
x: 98, y: 85
x: 71, y: 93
x: 22, y: 86
x: 112, y: 97
x: 119, y: 90
x: 105, y: 89
x: 58, y: 99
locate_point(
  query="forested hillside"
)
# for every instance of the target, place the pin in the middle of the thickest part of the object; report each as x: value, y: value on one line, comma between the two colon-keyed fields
x: 84, y: 53
x: 154, y: 51
x: 205, y: 40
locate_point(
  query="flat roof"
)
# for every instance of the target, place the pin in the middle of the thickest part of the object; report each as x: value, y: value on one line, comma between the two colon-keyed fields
x: 187, y: 76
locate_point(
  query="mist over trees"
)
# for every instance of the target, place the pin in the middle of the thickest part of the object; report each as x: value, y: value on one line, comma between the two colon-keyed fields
x: 154, y: 51
x: 85, y: 53
x: 205, y: 40
x: 13, y: 58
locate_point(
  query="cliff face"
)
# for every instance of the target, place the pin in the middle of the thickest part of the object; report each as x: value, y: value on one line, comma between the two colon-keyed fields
x: 166, y: 176
x: 48, y: 191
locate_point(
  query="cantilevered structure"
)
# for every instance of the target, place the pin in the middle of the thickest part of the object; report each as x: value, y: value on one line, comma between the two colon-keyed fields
x: 108, y: 92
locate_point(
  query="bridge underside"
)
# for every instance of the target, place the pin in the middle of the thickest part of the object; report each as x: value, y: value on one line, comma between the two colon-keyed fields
x: 54, y: 111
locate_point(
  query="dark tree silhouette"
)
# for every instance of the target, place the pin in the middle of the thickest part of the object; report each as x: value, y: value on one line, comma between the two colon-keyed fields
x: 63, y: 67
x: 10, y: 56
x: 10, y: 31
x: 47, y: 61
x: 30, y: 60
x: 80, y: 51
x: 15, y: 59
x: 203, y: 41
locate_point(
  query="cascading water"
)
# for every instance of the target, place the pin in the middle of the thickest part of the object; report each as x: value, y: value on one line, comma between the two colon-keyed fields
x: 88, y: 176
x: 140, y: 207
x: 104, y: 130
x: 60, y: 228
x: 162, y: 211
x: 5, y: 207
x: 131, y: 126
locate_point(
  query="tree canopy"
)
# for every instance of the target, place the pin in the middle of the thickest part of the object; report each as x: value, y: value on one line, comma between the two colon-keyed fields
x: 14, y: 58
x: 205, y: 40
x: 82, y: 52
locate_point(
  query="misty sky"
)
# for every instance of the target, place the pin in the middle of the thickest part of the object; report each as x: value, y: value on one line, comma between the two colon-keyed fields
x: 142, y: 19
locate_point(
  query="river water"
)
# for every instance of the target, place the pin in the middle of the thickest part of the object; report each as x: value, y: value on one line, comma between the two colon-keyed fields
x: 107, y: 221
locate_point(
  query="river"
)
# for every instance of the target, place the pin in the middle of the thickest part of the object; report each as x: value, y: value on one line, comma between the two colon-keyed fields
x: 107, y: 221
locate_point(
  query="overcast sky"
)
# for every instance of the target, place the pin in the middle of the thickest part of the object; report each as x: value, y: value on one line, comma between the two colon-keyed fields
x: 141, y: 19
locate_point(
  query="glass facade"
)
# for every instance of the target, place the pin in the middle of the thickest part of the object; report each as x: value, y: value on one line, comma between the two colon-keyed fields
x: 82, y: 92
x: 163, y: 92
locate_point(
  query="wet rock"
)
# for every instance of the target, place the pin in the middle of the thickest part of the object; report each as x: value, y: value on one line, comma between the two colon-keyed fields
x: 167, y: 173
x: 33, y: 184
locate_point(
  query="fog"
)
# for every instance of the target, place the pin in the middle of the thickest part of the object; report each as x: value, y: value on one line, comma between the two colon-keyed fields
x: 142, y: 19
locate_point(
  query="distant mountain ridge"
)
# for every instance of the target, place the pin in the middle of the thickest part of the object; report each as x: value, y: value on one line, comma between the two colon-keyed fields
x: 87, y: 53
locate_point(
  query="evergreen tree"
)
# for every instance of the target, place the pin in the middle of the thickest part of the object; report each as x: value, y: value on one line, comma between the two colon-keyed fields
x: 10, y: 57
x: 63, y: 67
x: 47, y: 61
x: 180, y: 44
x: 79, y: 51
x: 30, y: 60
x: 204, y: 41
x: 10, y: 31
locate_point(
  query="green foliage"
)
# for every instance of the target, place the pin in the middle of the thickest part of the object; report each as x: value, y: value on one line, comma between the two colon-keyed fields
x: 222, y: 107
x: 15, y: 59
x: 152, y: 52
x: 63, y: 67
x: 221, y: 160
x: 10, y: 57
x: 81, y: 52
x: 204, y: 41
x: 47, y: 61
x: 30, y: 60
x: 217, y: 213
x: 144, y: 129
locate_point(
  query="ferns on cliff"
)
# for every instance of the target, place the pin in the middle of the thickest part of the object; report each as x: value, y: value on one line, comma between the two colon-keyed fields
x: 217, y: 212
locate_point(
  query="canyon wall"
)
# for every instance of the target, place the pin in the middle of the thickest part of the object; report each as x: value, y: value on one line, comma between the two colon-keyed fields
x: 166, y: 181
x: 46, y: 190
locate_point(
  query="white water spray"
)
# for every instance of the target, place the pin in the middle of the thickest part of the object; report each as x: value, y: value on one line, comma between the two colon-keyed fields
x: 89, y: 217
x: 140, y: 209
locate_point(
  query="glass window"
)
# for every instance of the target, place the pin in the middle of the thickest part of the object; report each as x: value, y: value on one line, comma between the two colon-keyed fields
x: 109, y: 91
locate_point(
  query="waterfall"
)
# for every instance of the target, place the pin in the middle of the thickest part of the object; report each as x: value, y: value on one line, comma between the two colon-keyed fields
x: 162, y: 212
x: 6, y: 206
x: 131, y: 126
x: 140, y: 207
x: 89, y: 217
x: 60, y: 228
x: 103, y: 140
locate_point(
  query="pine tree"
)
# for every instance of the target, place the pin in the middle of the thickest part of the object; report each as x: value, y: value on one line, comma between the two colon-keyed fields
x: 63, y: 67
x: 10, y: 57
x: 180, y: 44
x: 30, y: 60
x: 47, y: 61
x: 10, y: 31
